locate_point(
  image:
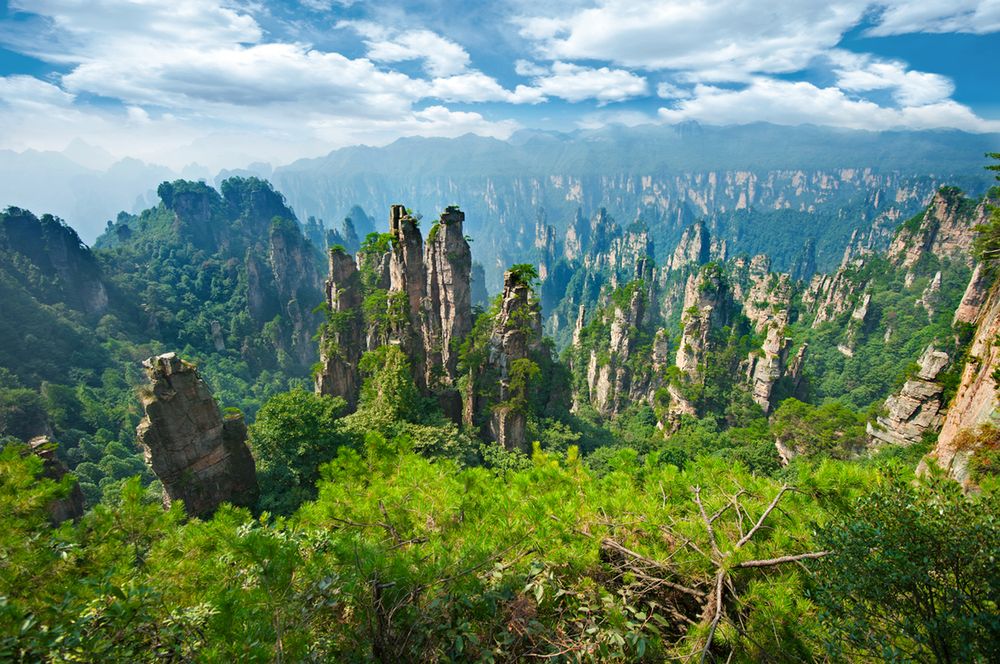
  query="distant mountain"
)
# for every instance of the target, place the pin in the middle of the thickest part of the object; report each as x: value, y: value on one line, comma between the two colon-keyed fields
x: 754, y: 184
x: 69, y: 185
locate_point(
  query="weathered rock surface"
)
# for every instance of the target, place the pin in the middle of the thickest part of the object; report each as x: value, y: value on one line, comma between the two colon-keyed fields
x: 974, y: 297
x: 917, y: 408
x: 342, y: 340
x: 199, y: 456
x: 70, y: 507
x: 516, y: 335
x: 975, y: 402
x: 609, y: 378
x: 428, y: 300
x: 945, y: 229
x: 448, y: 317
x: 693, y: 248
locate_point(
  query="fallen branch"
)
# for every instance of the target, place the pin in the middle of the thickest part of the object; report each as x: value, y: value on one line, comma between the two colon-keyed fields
x: 774, y: 503
x: 783, y: 559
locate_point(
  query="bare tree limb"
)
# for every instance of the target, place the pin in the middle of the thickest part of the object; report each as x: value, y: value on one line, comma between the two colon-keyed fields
x: 769, y: 562
x: 719, y: 578
x: 746, y: 538
x: 708, y: 522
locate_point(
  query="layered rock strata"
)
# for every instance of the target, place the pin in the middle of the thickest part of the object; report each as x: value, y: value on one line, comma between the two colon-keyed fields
x: 200, y: 457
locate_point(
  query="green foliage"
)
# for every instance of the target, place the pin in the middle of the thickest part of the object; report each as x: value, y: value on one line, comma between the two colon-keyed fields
x: 524, y: 273
x: 831, y: 429
x: 913, y: 575
x: 294, y: 434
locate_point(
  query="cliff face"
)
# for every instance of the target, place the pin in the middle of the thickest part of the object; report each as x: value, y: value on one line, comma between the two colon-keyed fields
x: 694, y: 247
x: 448, y: 319
x: 707, y: 306
x: 62, y: 509
x: 515, y: 335
x: 296, y: 284
x: 975, y: 401
x: 421, y: 298
x: 49, y: 258
x: 917, y: 408
x: 946, y: 229
x: 199, y: 456
x: 611, y: 382
x: 342, y: 337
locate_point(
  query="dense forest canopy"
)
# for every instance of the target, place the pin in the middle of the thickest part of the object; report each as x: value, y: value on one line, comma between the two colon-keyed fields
x: 715, y: 459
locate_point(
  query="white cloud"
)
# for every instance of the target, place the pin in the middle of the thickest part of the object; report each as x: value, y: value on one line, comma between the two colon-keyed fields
x: 441, y: 56
x: 861, y: 73
x: 717, y: 40
x: 476, y: 86
x: 794, y: 103
x: 732, y: 40
x: 576, y: 83
x: 900, y: 17
x: 666, y: 90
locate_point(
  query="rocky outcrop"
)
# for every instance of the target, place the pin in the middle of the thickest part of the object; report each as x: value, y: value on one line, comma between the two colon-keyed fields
x: 200, y: 457
x: 577, y: 237
x: 707, y: 306
x: 693, y: 248
x: 829, y: 296
x: 610, y: 379
x: 341, y: 340
x: 917, y: 408
x: 945, y: 229
x: 515, y: 336
x: 422, y: 294
x: 61, y: 509
x: 54, y: 250
x: 855, y: 326
x: 293, y: 264
x: 767, y: 367
x: 974, y: 297
x: 975, y: 402
x: 448, y: 308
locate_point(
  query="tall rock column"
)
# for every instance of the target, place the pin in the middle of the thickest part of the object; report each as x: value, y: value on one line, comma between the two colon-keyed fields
x: 342, y: 340
x: 448, y: 318
x: 199, y: 456
x: 975, y: 403
x: 408, y: 275
x: 496, y: 395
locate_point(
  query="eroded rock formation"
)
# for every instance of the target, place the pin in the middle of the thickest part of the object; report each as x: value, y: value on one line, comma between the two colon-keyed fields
x: 946, y: 229
x: 342, y: 337
x: 918, y: 406
x: 62, y: 509
x: 421, y: 298
x: 975, y: 402
x: 199, y: 456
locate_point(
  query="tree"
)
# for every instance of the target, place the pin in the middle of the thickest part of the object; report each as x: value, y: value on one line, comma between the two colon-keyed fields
x: 987, y: 244
x: 295, y: 432
x: 913, y: 575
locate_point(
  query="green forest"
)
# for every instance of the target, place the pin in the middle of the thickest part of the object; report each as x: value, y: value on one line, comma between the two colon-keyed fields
x: 658, y: 524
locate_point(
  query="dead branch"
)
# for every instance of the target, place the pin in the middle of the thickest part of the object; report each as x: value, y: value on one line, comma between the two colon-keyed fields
x: 608, y: 543
x: 746, y: 538
x: 719, y: 578
x: 708, y: 523
x: 769, y: 562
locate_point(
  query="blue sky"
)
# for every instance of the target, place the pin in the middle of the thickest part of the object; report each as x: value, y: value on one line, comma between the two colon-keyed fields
x: 226, y: 82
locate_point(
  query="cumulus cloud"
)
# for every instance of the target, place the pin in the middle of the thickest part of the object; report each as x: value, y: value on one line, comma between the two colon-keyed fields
x: 906, y: 16
x: 794, y: 103
x: 719, y: 40
x: 576, y: 83
x: 441, y: 56
x: 666, y: 90
x: 731, y: 40
x: 862, y: 73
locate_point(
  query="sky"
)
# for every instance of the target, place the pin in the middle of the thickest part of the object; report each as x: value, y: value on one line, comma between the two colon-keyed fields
x: 227, y: 82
